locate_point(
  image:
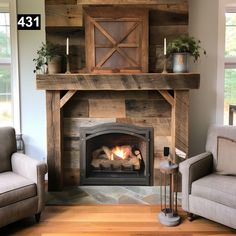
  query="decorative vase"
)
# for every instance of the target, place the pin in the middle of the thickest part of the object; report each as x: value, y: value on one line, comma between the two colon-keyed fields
x: 180, y: 62
x: 54, y: 66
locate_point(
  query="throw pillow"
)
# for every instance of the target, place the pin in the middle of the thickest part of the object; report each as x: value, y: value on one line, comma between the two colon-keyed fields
x: 226, y: 156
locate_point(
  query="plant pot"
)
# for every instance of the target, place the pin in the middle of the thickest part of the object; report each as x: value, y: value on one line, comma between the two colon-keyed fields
x: 54, y: 66
x: 180, y: 62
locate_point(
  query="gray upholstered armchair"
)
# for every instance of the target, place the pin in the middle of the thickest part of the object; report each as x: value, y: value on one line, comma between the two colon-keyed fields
x: 209, y: 179
x: 21, y: 181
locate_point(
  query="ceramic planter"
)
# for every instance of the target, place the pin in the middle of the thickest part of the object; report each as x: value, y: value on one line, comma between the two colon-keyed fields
x: 54, y: 66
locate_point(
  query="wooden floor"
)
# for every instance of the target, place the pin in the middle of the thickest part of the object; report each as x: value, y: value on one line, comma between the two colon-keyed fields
x: 110, y: 220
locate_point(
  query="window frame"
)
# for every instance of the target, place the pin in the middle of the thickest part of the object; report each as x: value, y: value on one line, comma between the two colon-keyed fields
x: 222, y: 63
x: 229, y: 61
x: 10, y: 6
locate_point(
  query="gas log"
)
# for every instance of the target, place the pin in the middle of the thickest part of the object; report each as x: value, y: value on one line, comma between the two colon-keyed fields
x: 117, y: 158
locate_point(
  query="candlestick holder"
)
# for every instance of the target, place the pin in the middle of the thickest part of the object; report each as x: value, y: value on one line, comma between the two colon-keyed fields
x: 165, y: 65
x: 67, y: 64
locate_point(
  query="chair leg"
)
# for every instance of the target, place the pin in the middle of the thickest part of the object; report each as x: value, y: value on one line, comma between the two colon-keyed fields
x: 37, y: 217
x: 190, y: 216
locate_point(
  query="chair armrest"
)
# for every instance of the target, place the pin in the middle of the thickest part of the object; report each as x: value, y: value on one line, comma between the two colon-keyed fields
x: 192, y: 169
x: 32, y: 169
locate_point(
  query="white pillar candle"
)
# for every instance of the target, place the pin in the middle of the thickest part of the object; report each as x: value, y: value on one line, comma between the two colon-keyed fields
x: 164, y: 46
x: 67, y: 46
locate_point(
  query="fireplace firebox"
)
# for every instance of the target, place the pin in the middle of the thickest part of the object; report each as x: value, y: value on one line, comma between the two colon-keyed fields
x: 116, y: 154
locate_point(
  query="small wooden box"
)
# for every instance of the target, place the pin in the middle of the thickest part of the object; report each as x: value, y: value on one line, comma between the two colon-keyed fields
x: 116, y: 39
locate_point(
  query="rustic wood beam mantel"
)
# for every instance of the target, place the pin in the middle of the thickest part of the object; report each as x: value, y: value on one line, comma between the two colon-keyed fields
x: 140, y: 81
x: 129, y: 2
x: 61, y: 87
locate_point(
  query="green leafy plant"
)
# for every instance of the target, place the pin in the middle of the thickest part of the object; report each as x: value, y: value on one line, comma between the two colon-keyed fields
x: 45, y: 54
x: 186, y: 44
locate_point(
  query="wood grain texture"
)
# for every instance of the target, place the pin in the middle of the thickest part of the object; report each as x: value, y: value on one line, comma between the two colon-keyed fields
x: 76, y: 108
x: 72, y: 125
x: 161, y: 18
x: 54, y: 2
x: 111, y: 220
x: 161, y: 125
x: 71, y: 143
x: 182, y: 121
x: 141, y: 81
x: 127, y: 2
x: 63, y: 15
x: 71, y: 176
x: 106, y: 108
x: 54, y: 140
x: 147, y: 108
x: 71, y: 159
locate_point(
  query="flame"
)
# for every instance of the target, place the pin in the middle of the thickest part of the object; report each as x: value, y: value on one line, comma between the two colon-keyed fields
x: 121, y: 152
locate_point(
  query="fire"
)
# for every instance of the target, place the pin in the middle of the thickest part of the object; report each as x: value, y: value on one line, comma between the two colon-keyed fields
x: 122, y: 152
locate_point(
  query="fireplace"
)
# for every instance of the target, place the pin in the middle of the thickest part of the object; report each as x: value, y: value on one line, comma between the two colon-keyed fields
x: 116, y: 154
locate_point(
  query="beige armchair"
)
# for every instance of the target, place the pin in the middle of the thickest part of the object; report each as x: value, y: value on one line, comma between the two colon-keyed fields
x: 209, y: 179
x: 22, y: 191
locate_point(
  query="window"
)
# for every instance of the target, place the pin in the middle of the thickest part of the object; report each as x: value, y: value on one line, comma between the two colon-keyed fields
x: 230, y: 64
x: 9, y: 84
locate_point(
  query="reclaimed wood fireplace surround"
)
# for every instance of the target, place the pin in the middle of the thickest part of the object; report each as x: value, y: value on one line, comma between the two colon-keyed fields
x: 100, y: 95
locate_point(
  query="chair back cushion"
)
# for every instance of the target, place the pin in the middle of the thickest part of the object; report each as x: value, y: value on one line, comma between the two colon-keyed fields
x: 7, y: 147
x: 226, y: 156
x: 214, y: 133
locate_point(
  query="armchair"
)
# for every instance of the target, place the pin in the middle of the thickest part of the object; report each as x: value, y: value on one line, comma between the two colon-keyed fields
x: 22, y: 191
x: 207, y: 189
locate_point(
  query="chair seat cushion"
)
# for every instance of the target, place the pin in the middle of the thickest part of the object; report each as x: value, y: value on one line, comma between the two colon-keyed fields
x: 216, y: 188
x: 14, y: 188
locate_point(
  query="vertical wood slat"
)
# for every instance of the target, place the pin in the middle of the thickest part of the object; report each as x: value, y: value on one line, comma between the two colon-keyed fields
x: 182, y: 120
x: 173, y: 130
x: 172, y: 102
x: 54, y: 141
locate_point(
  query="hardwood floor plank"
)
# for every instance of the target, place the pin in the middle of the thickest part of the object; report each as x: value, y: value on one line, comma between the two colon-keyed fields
x: 112, y: 220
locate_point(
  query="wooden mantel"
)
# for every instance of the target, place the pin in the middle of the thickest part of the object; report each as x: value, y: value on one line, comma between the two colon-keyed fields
x: 179, y: 84
x: 116, y: 81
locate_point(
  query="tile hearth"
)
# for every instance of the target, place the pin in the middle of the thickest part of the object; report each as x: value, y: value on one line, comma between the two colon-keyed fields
x: 89, y: 195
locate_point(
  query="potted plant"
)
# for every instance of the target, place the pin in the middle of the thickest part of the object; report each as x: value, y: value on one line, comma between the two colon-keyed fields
x: 48, y: 60
x: 181, y: 49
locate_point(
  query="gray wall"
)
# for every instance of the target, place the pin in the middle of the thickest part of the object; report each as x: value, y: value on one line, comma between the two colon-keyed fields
x: 33, y: 117
x: 203, y: 24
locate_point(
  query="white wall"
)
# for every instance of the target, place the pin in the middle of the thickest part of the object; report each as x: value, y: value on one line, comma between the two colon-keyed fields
x: 203, y: 24
x: 33, y: 114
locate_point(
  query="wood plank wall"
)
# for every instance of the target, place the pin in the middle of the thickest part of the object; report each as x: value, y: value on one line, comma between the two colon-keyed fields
x: 64, y: 19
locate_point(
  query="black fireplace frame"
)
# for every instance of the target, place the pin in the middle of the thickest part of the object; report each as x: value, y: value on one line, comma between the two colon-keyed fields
x: 144, y: 133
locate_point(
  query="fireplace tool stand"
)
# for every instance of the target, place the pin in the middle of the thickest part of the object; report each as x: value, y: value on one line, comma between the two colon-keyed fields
x: 168, y: 215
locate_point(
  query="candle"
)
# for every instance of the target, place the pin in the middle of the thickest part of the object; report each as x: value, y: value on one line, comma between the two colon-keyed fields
x: 164, y: 46
x: 67, y: 46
